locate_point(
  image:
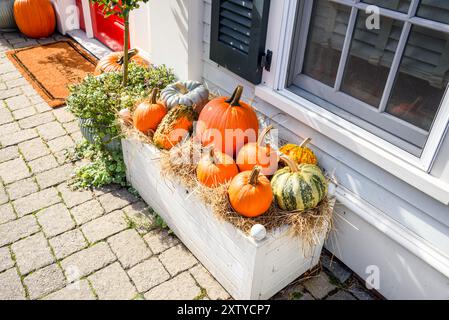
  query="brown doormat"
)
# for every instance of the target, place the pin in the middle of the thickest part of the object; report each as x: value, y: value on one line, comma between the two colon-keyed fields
x: 51, y: 67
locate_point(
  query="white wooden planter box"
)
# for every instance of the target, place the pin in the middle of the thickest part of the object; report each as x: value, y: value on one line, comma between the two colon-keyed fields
x: 246, y: 268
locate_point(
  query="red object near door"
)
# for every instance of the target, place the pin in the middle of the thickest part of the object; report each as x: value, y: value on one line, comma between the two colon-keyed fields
x: 110, y: 30
x: 79, y: 5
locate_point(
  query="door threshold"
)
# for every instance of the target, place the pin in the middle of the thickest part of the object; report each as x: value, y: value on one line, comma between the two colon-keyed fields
x: 92, y: 45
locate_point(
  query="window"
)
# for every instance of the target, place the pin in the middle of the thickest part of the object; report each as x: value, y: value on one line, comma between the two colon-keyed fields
x: 389, y: 80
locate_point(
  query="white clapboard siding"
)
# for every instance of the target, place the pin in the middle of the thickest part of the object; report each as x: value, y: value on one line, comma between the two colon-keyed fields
x: 247, y: 269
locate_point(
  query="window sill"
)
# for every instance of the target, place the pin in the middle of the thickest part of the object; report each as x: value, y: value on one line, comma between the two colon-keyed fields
x: 398, y: 163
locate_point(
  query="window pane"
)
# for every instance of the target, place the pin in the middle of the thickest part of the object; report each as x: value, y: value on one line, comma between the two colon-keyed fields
x: 325, y: 41
x: 396, y: 5
x: 423, y: 78
x: 370, y: 59
x: 437, y: 10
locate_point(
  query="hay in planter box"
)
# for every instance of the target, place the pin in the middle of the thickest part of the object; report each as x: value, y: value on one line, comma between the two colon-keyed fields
x: 180, y: 164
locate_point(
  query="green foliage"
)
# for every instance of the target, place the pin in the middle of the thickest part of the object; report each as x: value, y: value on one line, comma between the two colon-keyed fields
x: 119, y: 8
x: 100, y: 98
x: 160, y: 77
x: 103, y: 167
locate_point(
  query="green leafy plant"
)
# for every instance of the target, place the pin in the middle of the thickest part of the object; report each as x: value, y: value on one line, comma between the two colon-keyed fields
x: 122, y: 9
x: 100, y: 98
x: 103, y: 167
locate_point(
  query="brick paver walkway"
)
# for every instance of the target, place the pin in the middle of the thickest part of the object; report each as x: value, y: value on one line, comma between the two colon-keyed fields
x: 56, y: 243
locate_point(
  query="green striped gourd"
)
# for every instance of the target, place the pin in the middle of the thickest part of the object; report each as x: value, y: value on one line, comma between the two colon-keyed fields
x: 174, y: 127
x: 298, y: 188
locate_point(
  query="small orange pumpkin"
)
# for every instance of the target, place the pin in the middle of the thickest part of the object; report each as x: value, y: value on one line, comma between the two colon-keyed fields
x: 216, y: 168
x: 149, y: 114
x: 254, y: 154
x: 300, y: 154
x: 113, y: 62
x: 250, y: 193
x: 228, y: 123
x: 35, y: 18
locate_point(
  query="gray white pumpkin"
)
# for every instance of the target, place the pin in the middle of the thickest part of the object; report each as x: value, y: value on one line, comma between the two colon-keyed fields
x: 188, y: 93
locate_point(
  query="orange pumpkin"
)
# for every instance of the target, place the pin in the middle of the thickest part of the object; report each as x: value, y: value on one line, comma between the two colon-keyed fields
x: 149, y: 114
x: 114, y: 62
x: 35, y: 18
x: 259, y: 154
x: 228, y: 123
x: 250, y: 193
x: 216, y: 168
x: 300, y: 154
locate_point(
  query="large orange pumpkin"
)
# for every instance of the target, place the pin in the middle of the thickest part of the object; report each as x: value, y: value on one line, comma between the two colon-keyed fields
x: 114, y: 62
x: 228, y: 123
x: 149, y: 114
x: 250, y: 193
x: 35, y: 18
x: 260, y: 154
x: 216, y: 168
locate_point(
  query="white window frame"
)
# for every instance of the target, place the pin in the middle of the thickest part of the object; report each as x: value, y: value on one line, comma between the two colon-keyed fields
x: 410, y: 168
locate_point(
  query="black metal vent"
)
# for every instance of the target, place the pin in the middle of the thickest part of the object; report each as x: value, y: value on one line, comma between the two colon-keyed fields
x: 238, y: 35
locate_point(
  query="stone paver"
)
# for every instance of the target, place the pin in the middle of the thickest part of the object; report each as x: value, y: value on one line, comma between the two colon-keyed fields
x: 24, y: 113
x: 9, y: 128
x: 32, y: 253
x: 19, y: 136
x: 177, y: 259
x: 45, y: 281
x: 14, y: 170
x: 36, y: 120
x: 9, y: 153
x: 116, y: 200
x: 74, y: 197
x: 160, y: 240
x: 105, y: 226
x: 138, y: 213
x: 55, y: 220
x: 3, y: 196
x: 87, y: 211
x: 18, y: 102
x: 21, y: 188
x: 341, y: 295
x: 54, y: 176
x: 36, y: 201
x: 182, y: 287
x: 33, y: 149
x: 148, y: 274
x: 129, y: 248
x: 4, y: 94
x: 60, y: 144
x: 63, y: 115
x: 51, y: 130
x: 79, y: 290
x: 214, y: 290
x: 89, y: 260
x: 43, y: 164
x: 68, y: 243
x: 6, y: 261
x: 17, y: 229
x: 112, y: 283
x: 338, y: 270
x: 11, y: 287
x: 5, y: 116
x: 319, y: 286
x: 6, y: 213
x: 71, y: 127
